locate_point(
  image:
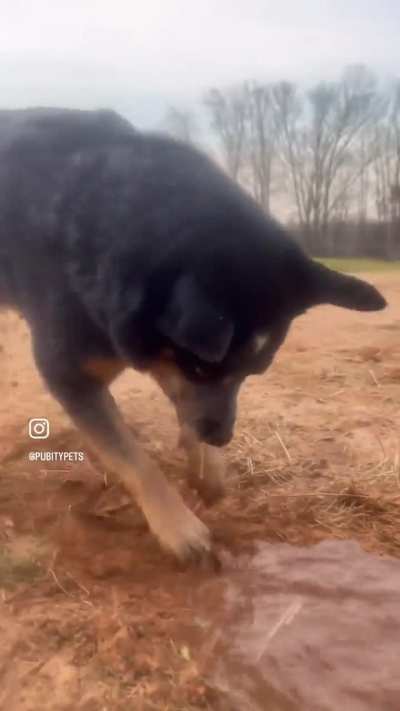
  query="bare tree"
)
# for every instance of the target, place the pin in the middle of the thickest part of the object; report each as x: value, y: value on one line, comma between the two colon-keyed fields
x: 381, y: 143
x: 394, y: 127
x: 229, y: 111
x: 260, y: 141
x: 292, y: 149
x: 364, y: 182
x: 386, y: 169
x: 317, y: 136
x: 382, y: 146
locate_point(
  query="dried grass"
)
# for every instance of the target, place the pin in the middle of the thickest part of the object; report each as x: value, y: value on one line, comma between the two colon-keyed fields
x: 298, y: 503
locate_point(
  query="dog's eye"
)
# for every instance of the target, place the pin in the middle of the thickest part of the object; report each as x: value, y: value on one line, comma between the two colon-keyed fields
x: 199, y: 371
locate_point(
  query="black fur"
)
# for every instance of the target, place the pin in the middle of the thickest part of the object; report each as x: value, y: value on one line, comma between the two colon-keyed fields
x: 118, y: 243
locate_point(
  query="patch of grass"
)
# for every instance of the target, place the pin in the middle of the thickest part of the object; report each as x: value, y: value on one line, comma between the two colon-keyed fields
x: 15, y: 570
x: 360, y: 265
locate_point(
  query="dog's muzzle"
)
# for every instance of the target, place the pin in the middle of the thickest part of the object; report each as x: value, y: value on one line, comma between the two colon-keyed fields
x: 214, y: 432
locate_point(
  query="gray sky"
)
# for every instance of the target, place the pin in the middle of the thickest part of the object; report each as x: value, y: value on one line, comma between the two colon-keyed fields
x: 140, y: 57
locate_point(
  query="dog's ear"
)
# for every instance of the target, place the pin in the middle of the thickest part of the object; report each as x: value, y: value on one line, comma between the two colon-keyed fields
x: 326, y: 286
x: 192, y: 322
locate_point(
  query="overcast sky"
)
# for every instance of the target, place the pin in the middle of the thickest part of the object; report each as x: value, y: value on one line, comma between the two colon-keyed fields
x: 140, y: 57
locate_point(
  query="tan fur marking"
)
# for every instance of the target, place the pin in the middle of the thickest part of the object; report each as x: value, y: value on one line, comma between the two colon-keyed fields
x: 169, y: 378
x: 206, y: 466
x: 104, y: 370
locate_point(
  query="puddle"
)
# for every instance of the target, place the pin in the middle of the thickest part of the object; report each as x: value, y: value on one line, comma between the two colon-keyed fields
x: 304, y: 629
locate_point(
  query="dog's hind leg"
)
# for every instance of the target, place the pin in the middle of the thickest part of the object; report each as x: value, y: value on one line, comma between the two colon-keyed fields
x: 92, y: 409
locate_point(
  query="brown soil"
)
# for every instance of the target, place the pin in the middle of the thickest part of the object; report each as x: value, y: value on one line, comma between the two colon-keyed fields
x: 93, y: 616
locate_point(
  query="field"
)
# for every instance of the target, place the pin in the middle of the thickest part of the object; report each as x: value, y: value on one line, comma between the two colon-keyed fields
x: 92, y: 615
x: 356, y: 265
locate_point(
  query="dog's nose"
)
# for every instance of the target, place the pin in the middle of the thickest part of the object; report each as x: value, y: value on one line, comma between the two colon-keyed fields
x: 215, y: 432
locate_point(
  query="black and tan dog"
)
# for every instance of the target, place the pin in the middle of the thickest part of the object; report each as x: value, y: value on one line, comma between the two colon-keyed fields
x: 123, y: 249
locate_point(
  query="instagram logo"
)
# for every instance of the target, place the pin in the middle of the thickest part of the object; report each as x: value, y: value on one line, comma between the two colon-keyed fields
x: 39, y: 428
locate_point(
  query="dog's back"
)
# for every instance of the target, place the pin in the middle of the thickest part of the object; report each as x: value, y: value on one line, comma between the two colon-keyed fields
x: 36, y: 148
x: 83, y: 193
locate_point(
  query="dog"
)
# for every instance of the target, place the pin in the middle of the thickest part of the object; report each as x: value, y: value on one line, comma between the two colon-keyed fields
x: 128, y: 249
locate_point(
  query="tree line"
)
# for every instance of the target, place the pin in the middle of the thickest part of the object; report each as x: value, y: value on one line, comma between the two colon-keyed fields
x: 333, y: 150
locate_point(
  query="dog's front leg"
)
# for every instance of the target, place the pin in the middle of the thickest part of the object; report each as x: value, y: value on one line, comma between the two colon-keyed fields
x: 206, y: 466
x: 94, y: 412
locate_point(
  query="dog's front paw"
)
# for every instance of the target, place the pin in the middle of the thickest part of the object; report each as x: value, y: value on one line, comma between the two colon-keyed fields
x: 177, y: 528
x: 185, y: 536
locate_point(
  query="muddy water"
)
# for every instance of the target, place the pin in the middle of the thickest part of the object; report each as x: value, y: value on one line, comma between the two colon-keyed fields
x: 304, y: 629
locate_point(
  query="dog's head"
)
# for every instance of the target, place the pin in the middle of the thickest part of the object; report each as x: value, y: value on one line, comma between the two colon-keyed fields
x: 208, y: 352
x: 206, y: 298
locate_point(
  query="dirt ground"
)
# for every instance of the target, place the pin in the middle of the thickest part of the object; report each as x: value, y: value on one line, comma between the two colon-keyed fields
x: 93, y: 616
